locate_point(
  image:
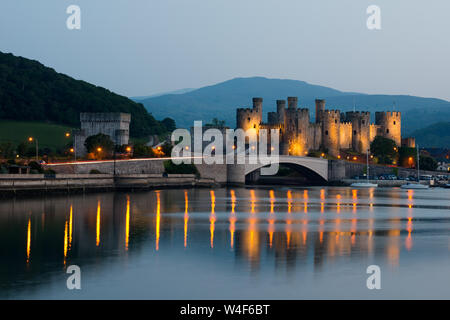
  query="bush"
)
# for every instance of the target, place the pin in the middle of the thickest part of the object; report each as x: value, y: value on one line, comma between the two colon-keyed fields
x: 171, y: 168
x: 34, y: 166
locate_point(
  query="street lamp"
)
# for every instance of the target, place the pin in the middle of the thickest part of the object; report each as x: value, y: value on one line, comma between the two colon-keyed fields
x: 30, y: 139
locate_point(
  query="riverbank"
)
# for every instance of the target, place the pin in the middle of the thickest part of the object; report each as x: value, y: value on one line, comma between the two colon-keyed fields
x: 29, y: 184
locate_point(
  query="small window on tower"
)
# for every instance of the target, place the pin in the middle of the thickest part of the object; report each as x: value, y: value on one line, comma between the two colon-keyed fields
x: 387, y: 130
x: 248, y: 119
x: 394, y: 123
x: 335, y: 120
x: 326, y: 132
x: 364, y: 122
x: 254, y: 126
x: 354, y: 132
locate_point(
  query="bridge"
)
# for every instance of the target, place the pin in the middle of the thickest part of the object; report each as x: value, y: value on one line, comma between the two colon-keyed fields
x: 313, y: 169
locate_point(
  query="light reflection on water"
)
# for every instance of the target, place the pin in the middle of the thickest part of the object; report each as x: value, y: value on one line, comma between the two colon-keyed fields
x: 228, y: 243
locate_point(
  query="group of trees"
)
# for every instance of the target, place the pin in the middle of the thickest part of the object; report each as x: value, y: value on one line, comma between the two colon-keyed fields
x: 386, y: 152
x: 31, y: 91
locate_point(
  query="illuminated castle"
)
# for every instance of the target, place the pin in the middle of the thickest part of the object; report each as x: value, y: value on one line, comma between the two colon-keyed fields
x: 331, y: 132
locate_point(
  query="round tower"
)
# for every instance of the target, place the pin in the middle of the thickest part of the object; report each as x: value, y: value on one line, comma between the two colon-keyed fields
x: 320, y: 107
x: 331, y: 121
x: 292, y: 102
x: 360, y: 130
x: 390, y: 125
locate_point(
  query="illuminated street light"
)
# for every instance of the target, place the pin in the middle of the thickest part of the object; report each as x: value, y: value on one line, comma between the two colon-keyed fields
x: 31, y: 139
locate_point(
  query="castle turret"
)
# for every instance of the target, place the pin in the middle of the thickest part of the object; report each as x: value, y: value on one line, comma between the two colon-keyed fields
x: 257, y: 104
x: 390, y: 125
x: 281, y: 111
x: 292, y: 103
x: 320, y: 107
x: 331, y: 121
x: 247, y: 118
x: 360, y: 130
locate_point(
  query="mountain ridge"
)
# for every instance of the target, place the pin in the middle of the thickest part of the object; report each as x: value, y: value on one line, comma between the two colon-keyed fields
x: 222, y: 99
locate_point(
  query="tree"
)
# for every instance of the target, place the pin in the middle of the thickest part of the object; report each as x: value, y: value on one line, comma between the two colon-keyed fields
x: 407, y: 157
x: 169, y: 124
x: 428, y: 163
x: 216, y: 123
x: 140, y: 150
x: 6, y: 150
x: 384, y: 149
x: 99, y: 144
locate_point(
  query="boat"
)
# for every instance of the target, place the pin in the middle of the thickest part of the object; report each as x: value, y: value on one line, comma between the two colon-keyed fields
x: 416, y: 186
x: 366, y: 184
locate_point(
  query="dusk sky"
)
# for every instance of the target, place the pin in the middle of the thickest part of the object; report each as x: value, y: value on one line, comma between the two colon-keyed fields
x: 142, y: 47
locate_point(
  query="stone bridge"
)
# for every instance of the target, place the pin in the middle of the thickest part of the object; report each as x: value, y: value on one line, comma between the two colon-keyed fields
x: 316, y: 169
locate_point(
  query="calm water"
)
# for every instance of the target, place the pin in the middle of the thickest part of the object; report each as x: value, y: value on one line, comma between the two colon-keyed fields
x: 280, y: 243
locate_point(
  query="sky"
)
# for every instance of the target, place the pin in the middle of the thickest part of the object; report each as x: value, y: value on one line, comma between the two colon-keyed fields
x: 143, y: 47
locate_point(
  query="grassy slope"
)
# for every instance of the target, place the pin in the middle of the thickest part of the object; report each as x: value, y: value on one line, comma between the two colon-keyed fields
x: 48, y: 135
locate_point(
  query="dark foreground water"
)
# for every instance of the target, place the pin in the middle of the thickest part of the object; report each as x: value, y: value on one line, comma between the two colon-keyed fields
x: 280, y: 243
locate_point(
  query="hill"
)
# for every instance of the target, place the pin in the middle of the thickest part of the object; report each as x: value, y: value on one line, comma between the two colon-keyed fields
x: 222, y: 99
x: 436, y: 135
x: 49, y: 135
x: 29, y: 91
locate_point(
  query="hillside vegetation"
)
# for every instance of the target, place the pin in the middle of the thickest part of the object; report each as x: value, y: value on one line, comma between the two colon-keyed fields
x: 436, y: 135
x: 29, y: 91
x: 48, y: 135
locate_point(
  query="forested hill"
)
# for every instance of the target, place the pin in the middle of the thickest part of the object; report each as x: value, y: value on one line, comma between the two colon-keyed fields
x: 32, y: 91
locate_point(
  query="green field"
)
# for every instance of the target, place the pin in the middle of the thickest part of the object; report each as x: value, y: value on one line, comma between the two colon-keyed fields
x: 48, y: 135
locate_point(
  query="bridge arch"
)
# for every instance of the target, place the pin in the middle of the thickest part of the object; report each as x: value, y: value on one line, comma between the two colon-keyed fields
x: 314, y: 169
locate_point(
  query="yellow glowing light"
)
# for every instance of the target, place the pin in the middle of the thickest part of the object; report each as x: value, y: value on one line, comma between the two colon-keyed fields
x: 158, y: 218
x: 65, y: 242
x: 98, y: 224
x: 355, y: 158
x: 70, y: 227
x: 232, y: 218
x: 67, y: 134
x: 127, y: 224
x: 252, y: 200
x: 30, y: 139
x: 99, y: 149
x: 72, y: 150
x: 128, y: 149
x: 323, y: 154
x: 29, y: 240
x: 272, y: 200
x: 186, y: 217
x: 339, y: 157
x: 187, y: 148
x: 212, y: 217
x: 289, y: 198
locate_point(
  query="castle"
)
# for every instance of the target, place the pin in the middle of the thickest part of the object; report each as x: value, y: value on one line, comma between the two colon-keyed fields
x: 115, y: 125
x: 331, y: 132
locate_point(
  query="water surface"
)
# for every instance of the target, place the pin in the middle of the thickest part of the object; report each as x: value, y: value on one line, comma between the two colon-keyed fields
x: 235, y: 243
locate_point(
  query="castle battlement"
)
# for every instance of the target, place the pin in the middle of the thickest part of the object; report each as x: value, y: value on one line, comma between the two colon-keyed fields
x: 333, y: 130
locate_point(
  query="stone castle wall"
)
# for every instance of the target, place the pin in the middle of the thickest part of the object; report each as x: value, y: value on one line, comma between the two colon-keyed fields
x: 332, y: 131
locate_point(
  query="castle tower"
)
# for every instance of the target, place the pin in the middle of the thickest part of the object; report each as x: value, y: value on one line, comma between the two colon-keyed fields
x: 292, y: 103
x: 281, y: 111
x: 360, y: 130
x: 247, y: 118
x: 390, y: 125
x: 331, y: 121
x: 320, y: 107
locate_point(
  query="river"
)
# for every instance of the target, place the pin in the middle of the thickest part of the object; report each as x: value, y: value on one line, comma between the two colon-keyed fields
x: 228, y: 243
